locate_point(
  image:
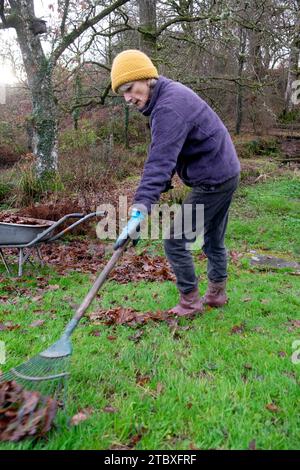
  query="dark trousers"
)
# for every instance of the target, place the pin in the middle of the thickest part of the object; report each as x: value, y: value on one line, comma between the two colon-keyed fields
x: 216, y: 201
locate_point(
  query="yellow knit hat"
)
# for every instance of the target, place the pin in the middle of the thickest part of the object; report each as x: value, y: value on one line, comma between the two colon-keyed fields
x: 129, y: 66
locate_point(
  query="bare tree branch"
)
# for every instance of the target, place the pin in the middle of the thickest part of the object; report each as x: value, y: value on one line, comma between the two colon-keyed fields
x: 70, y: 38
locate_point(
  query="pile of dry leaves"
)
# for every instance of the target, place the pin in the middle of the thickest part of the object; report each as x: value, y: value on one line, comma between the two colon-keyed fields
x: 24, y: 413
x: 128, y: 316
x: 141, y: 267
x: 17, y: 219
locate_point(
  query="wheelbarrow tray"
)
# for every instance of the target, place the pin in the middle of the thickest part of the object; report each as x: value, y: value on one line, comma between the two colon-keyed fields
x: 30, y: 236
x: 21, y: 234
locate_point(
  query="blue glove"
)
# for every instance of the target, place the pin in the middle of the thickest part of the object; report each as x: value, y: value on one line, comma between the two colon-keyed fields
x: 131, y: 230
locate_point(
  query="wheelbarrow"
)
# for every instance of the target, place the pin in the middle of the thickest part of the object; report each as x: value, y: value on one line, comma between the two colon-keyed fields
x: 28, y: 237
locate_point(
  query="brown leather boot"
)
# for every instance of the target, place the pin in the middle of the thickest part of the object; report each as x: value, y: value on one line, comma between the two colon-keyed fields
x: 215, y: 295
x: 189, y: 304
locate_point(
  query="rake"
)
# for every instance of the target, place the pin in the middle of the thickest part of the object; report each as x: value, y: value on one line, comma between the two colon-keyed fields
x: 48, y: 371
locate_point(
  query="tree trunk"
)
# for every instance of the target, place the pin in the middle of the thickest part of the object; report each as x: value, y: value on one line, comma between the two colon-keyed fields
x: 147, y: 17
x: 39, y: 75
x: 239, y: 98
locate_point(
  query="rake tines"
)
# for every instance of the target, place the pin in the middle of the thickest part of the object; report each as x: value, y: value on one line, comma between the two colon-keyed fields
x: 46, y: 375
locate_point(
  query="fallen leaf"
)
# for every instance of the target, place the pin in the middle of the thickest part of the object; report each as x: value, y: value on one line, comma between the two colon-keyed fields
x: 111, y: 338
x: 119, y: 447
x: 95, y: 333
x: 136, y: 438
x: 192, y: 446
x: 238, y: 329
x: 24, y: 413
x: 9, y: 326
x: 282, y: 354
x: 82, y: 415
x: 142, y: 379
x: 272, y: 407
x: 137, y: 336
x: 159, y: 388
x: 53, y: 287
x: 36, y: 323
x: 121, y: 315
x: 110, y: 409
x: 252, y: 445
x: 234, y: 256
x: 142, y: 267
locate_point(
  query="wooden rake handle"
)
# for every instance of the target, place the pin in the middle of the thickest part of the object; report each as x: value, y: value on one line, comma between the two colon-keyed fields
x: 99, y: 282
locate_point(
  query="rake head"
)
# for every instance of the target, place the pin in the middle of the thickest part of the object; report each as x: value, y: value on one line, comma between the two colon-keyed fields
x: 46, y: 372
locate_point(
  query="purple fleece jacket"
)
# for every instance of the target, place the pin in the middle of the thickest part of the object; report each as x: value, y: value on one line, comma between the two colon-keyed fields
x: 187, y: 136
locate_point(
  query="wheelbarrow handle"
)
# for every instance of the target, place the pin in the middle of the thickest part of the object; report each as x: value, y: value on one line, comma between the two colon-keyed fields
x: 42, y: 235
x: 82, y: 219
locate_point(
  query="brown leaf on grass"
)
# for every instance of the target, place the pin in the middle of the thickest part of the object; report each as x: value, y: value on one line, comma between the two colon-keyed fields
x: 95, y: 333
x: 24, y: 413
x: 238, y: 329
x: 159, y: 388
x: 142, y: 267
x: 112, y: 338
x: 9, y: 326
x: 282, y: 354
x: 39, y: 312
x: 248, y: 366
x: 53, y: 287
x: 137, y: 336
x: 82, y: 415
x: 37, y: 298
x: 142, y: 379
x: 36, y: 323
x: 252, y: 445
x: 119, y: 447
x: 272, y: 407
x: 192, y: 446
x: 50, y: 413
x: 110, y: 409
x: 80, y: 255
x: 128, y: 316
x: 136, y: 438
x: 247, y: 299
x: 234, y: 256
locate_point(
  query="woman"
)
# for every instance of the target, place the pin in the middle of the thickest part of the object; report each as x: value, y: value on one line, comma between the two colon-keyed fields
x: 189, y: 138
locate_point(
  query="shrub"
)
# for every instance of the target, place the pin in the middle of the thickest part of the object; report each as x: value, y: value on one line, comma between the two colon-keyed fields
x: 290, y: 117
x: 6, y: 190
x: 258, y: 147
x: 81, y: 138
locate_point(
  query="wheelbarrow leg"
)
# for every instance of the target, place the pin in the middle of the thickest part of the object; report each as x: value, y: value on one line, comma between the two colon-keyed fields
x: 4, y: 261
x: 21, y: 261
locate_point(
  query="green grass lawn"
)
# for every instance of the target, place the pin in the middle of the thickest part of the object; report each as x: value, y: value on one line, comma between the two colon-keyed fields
x: 220, y: 381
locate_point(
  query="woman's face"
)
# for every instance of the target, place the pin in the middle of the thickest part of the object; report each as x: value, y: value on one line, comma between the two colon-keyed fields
x: 136, y: 93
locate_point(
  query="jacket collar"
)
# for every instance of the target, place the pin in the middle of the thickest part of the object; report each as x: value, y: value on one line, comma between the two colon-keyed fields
x: 147, y: 109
